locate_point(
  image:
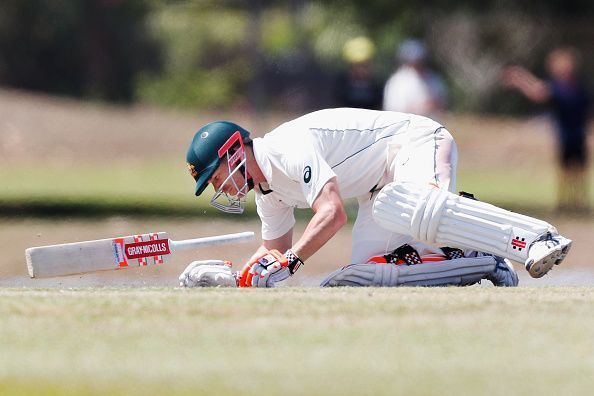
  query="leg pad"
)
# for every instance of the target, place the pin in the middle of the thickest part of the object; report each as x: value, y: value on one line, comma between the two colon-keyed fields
x: 459, y: 272
x: 441, y: 218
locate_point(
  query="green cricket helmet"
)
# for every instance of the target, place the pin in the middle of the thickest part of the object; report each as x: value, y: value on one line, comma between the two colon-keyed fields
x: 209, y: 145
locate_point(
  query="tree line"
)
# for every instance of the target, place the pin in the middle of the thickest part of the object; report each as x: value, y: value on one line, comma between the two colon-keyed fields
x: 206, y: 53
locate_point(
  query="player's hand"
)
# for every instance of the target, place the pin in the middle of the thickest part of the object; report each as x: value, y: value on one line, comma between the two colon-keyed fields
x: 265, y: 270
x: 208, y: 273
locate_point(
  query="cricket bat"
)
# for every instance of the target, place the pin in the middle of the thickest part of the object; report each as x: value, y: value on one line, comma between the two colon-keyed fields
x: 117, y: 253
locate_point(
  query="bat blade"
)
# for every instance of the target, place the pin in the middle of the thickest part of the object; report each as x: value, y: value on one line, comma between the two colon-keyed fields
x: 98, y: 255
x: 107, y: 254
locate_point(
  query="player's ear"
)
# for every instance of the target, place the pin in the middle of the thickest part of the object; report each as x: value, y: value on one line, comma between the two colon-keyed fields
x: 217, y: 171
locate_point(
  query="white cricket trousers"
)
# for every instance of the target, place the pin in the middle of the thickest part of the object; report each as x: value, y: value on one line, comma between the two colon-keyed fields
x: 425, y: 153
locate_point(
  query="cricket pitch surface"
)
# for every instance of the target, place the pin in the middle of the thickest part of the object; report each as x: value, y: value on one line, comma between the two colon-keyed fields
x: 17, y: 235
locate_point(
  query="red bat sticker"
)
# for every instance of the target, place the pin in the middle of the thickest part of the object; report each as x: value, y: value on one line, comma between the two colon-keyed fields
x: 157, y: 247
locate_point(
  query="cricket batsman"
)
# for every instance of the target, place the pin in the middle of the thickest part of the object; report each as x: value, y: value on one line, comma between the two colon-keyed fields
x: 412, y: 229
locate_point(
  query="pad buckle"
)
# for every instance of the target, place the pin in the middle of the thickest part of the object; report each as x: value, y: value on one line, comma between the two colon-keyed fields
x: 405, y: 253
x: 468, y: 195
x: 452, y: 253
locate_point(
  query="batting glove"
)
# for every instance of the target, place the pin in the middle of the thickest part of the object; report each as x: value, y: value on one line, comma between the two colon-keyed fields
x: 208, y: 273
x: 268, y: 269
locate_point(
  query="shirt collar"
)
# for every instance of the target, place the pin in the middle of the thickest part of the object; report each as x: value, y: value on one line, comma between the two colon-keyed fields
x: 261, y: 154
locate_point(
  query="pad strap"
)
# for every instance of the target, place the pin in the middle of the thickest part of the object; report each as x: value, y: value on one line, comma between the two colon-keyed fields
x: 404, y: 254
x: 408, y: 254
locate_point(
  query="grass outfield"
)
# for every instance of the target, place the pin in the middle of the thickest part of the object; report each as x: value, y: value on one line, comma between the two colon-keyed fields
x: 416, y: 341
x: 165, y: 188
x: 68, y: 158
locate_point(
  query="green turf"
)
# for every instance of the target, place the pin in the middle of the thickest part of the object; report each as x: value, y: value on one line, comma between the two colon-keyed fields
x: 161, y: 188
x: 511, y: 189
x: 165, y: 188
x: 141, y: 181
x: 478, y: 340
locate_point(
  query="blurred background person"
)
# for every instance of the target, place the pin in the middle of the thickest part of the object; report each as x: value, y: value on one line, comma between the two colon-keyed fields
x: 357, y: 86
x: 569, y: 98
x: 414, y: 87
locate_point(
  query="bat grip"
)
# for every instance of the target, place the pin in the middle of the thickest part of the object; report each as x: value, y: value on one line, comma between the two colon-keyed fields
x: 212, y: 241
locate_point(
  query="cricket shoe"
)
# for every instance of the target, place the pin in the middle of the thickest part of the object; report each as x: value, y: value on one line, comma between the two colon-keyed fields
x: 544, y: 253
x: 504, y: 274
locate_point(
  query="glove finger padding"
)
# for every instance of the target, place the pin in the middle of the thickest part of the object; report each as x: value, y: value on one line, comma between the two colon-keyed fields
x: 270, y: 278
x: 278, y: 276
x: 195, y: 264
x: 213, y: 276
x: 183, y: 277
x: 260, y: 276
x: 258, y: 272
x: 245, y: 275
x: 208, y: 273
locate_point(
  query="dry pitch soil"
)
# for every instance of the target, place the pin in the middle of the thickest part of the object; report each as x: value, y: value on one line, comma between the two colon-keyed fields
x: 18, y: 235
x: 48, y: 130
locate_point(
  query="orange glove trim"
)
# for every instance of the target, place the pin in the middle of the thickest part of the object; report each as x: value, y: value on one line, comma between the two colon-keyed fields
x: 246, y: 275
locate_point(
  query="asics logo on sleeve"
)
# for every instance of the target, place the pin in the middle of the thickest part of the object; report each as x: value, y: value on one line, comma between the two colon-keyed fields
x: 307, y: 174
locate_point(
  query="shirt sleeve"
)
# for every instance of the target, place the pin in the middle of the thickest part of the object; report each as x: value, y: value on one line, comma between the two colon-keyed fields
x: 312, y: 172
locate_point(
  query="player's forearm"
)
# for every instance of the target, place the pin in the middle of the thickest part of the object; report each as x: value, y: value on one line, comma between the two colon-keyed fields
x: 281, y: 244
x: 527, y: 83
x: 321, y: 228
x: 536, y: 91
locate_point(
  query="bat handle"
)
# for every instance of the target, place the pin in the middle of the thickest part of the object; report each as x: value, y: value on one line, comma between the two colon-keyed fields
x: 212, y: 241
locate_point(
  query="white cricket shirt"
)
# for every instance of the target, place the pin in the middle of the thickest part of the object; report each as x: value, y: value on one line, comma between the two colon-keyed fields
x: 300, y: 156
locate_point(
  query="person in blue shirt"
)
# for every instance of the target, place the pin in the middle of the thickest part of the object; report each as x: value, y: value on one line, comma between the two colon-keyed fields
x: 569, y: 99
